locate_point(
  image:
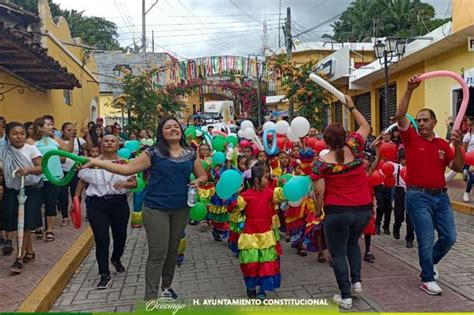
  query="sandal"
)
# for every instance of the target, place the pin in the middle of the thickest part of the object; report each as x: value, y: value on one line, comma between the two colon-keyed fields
x: 302, y: 252
x: 29, y: 257
x: 39, y: 234
x: 65, y: 222
x: 321, y: 259
x: 17, y: 266
x: 50, y: 237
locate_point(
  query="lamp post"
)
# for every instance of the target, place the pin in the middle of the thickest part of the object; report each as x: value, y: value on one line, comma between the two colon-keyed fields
x: 389, y: 52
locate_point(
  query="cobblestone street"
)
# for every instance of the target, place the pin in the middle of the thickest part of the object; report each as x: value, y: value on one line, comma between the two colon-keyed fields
x: 210, y: 271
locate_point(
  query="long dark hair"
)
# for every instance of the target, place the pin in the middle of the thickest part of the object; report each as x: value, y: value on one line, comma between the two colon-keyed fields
x: 94, y: 137
x: 10, y: 126
x: 161, y: 143
x: 257, y: 173
x: 335, y: 138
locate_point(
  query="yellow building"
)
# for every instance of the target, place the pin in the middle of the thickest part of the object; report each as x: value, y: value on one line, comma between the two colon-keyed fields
x: 446, y: 48
x: 43, y: 70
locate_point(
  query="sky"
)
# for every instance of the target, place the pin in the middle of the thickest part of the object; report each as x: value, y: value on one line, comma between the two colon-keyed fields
x: 197, y: 28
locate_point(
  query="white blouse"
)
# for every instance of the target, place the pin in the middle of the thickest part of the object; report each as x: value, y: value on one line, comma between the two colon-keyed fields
x: 101, y: 182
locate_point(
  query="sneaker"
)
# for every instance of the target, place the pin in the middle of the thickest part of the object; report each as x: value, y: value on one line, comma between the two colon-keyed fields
x: 169, y: 294
x: 409, y: 244
x: 261, y: 295
x: 104, y: 282
x: 464, y: 175
x: 431, y: 288
x: 465, y: 197
x: 369, y: 257
x: 251, y: 294
x: 344, y: 303
x: 436, y: 272
x: 357, y: 287
x: 118, y: 266
x: 386, y: 231
x: 216, y: 236
x: 16, y: 267
x: 396, y: 234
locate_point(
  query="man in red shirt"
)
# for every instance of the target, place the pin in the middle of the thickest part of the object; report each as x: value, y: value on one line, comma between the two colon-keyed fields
x: 427, y: 201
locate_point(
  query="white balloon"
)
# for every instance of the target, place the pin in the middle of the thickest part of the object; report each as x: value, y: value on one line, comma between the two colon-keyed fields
x: 269, y: 125
x: 295, y: 203
x: 249, y: 133
x: 204, y: 129
x: 290, y: 135
x: 323, y: 152
x: 281, y: 127
x: 300, y: 126
x: 246, y: 124
x: 198, y: 133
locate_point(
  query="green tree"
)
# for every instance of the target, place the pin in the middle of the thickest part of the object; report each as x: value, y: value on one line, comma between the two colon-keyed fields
x: 368, y: 18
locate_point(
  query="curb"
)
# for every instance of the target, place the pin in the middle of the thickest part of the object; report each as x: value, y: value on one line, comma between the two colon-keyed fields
x: 463, y: 207
x: 43, y: 296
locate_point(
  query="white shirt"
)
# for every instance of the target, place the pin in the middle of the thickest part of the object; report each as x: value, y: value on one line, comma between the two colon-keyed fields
x: 69, y: 163
x: 469, y: 139
x: 399, y: 181
x: 101, y: 182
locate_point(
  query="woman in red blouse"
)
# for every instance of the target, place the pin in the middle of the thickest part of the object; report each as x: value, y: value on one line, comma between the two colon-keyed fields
x: 342, y: 187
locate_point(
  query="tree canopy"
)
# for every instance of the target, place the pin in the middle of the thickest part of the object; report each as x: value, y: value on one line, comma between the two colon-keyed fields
x: 364, y: 19
x: 94, y: 31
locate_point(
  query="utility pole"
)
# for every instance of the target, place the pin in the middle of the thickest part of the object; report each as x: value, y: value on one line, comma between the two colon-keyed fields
x: 289, y: 47
x: 259, y: 93
x: 144, y: 13
x: 152, y: 41
x: 279, y: 26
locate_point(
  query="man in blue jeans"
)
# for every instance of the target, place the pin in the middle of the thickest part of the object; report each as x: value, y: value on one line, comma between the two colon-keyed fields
x: 427, y: 201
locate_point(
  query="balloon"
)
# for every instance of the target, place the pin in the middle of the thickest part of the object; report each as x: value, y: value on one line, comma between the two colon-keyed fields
x: 324, y: 152
x: 388, y: 151
x: 232, y: 139
x: 410, y: 118
x: 274, y: 149
x: 190, y: 132
x: 281, y: 127
x: 240, y: 133
x: 376, y: 179
x: 208, y: 139
x: 465, y: 92
x: 198, y: 212
x: 69, y: 176
x: 76, y: 212
x: 218, y: 143
x: 388, y: 169
x: 249, y: 133
x: 403, y: 172
x: 304, y: 182
x: 228, y: 184
x: 328, y: 86
x: 132, y: 145
x: 219, y: 132
x: 246, y: 124
x: 283, y: 179
x: 296, y: 188
x: 269, y: 125
x: 124, y: 153
x: 281, y: 143
x: 469, y: 158
x: 199, y: 133
x: 244, y: 143
x: 255, y: 149
x: 150, y: 142
x: 205, y: 165
x: 463, y: 152
x: 290, y: 135
x: 218, y: 158
x: 311, y: 142
x: 300, y: 126
x: 320, y: 146
x: 257, y: 142
x: 296, y: 203
x: 192, y: 177
x: 389, y: 181
x: 140, y: 185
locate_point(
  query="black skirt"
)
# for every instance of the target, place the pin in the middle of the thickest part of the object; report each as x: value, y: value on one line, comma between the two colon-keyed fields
x: 33, y: 205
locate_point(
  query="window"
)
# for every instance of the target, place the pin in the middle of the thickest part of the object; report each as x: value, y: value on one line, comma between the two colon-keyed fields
x: 362, y: 103
x: 67, y: 97
x: 338, y: 112
x: 392, y: 105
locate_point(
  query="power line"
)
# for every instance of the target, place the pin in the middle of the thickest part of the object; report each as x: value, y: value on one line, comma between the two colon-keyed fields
x: 243, y: 11
x: 319, y: 25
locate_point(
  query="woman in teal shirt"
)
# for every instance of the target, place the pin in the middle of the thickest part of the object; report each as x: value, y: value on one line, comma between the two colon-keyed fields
x: 45, y: 141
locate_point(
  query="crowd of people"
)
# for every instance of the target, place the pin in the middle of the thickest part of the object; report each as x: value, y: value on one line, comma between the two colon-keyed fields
x: 342, y: 206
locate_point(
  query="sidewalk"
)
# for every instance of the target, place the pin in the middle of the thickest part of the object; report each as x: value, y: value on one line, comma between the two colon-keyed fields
x: 14, y: 289
x: 210, y: 271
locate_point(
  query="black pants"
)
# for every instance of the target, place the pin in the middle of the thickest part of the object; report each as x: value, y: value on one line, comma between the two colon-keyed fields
x: 383, y: 195
x: 399, y: 197
x: 342, y: 232
x: 50, y: 198
x: 66, y: 191
x: 103, y: 213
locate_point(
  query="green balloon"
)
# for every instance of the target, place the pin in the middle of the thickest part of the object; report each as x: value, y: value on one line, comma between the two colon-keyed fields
x: 192, y: 177
x: 132, y: 145
x: 205, y: 165
x: 232, y: 139
x: 52, y: 179
x: 190, y: 132
x: 140, y: 185
x: 284, y: 179
x: 218, y: 143
x: 218, y: 158
x: 198, y: 212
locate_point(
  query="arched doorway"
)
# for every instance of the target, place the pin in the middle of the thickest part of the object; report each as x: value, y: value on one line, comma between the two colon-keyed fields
x: 93, y: 110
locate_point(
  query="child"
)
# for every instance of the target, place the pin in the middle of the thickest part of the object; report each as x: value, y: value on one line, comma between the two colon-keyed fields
x: 370, y: 229
x: 258, y: 239
x: 284, y: 164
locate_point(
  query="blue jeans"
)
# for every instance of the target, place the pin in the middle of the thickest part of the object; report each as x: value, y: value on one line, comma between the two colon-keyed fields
x: 470, y: 181
x: 428, y: 213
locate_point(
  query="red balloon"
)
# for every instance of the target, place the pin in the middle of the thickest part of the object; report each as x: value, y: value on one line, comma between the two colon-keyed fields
x: 311, y: 142
x: 255, y: 150
x: 469, y: 158
x: 388, y: 169
x: 376, y: 178
x: 389, y: 181
x: 244, y: 144
x: 319, y: 146
x: 463, y: 152
x: 281, y: 143
x: 388, y: 151
x: 381, y: 164
x: 403, y: 172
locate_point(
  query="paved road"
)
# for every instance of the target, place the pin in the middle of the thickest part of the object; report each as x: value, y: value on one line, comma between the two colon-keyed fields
x: 210, y: 271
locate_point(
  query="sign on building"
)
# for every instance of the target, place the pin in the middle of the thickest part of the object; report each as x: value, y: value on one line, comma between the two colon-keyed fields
x: 470, y: 43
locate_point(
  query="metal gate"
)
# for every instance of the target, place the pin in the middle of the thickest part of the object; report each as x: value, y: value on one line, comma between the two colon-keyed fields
x: 392, y: 105
x: 362, y: 103
x: 338, y: 112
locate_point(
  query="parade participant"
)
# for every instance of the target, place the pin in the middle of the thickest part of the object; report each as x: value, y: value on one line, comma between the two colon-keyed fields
x: 468, y: 146
x: 284, y: 162
x: 108, y: 208
x: 166, y: 211
x: 69, y: 133
x: 29, y: 129
x: 258, y: 239
x: 342, y: 187
x: 427, y: 200
x: 45, y: 141
x: 313, y: 133
x: 25, y: 159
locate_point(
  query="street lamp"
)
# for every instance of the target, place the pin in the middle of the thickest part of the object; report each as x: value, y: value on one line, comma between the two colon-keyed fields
x: 388, y: 53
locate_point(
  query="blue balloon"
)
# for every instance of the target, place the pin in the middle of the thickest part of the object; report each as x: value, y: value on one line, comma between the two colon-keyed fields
x: 132, y: 145
x: 218, y: 158
x: 229, y: 183
x: 412, y: 120
x: 274, y: 149
x: 124, y: 153
x: 297, y: 187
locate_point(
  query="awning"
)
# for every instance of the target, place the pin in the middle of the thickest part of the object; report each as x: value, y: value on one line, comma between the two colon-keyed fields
x: 24, y: 58
x: 275, y: 99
